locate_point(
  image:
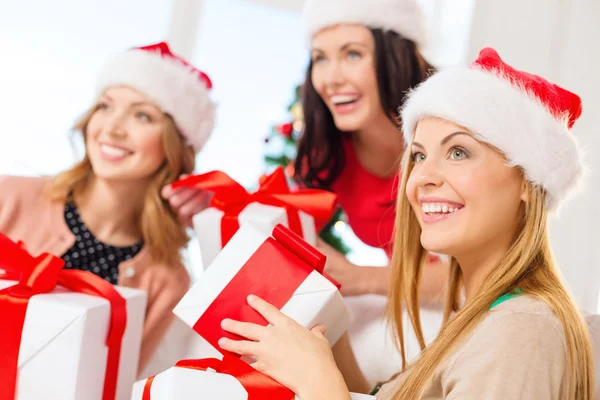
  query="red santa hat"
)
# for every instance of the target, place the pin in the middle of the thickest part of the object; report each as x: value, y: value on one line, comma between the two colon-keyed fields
x: 405, y: 17
x: 169, y: 81
x: 523, y: 115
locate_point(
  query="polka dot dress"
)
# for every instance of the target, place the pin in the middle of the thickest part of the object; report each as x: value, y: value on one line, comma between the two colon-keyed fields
x: 90, y: 254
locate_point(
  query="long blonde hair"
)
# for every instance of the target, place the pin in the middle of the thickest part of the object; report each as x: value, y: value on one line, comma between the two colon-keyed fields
x: 528, y: 265
x: 163, y: 234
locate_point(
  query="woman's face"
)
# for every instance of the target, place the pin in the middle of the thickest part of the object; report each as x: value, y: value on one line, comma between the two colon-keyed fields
x: 465, y: 197
x: 343, y: 74
x: 124, y: 136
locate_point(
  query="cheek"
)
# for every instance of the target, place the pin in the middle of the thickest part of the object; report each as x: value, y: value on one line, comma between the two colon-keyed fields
x: 411, y: 191
x: 149, y: 145
x: 366, y: 80
x: 317, y: 80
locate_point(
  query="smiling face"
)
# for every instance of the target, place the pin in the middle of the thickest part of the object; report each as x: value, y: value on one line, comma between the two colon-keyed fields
x: 464, y: 195
x: 124, y: 136
x: 343, y: 74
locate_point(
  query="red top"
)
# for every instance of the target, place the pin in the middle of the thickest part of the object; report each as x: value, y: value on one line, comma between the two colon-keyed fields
x: 368, y: 200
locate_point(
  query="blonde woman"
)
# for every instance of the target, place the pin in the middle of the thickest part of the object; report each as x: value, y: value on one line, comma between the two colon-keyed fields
x: 491, y: 154
x: 106, y: 214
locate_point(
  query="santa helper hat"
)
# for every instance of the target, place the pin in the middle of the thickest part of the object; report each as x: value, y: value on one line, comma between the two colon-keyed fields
x: 405, y: 17
x: 523, y: 115
x: 170, y: 82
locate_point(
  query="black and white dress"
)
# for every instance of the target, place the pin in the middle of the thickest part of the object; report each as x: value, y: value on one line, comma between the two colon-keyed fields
x: 90, y: 254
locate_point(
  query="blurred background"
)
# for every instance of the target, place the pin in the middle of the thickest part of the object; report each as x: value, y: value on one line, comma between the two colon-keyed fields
x: 256, y: 53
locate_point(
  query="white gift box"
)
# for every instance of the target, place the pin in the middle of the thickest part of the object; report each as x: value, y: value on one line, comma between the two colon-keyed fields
x: 207, y: 226
x: 63, y: 351
x: 315, y: 302
x: 189, y: 384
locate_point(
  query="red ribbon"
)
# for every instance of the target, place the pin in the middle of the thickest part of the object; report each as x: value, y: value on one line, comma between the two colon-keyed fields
x: 259, y: 386
x: 232, y: 198
x: 37, y: 275
x: 273, y: 272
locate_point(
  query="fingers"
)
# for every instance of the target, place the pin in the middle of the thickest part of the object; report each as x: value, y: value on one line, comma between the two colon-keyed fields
x: 268, y: 311
x: 241, y: 347
x: 167, y: 191
x: 187, y: 211
x: 181, y: 196
x: 248, y: 330
x: 319, y: 330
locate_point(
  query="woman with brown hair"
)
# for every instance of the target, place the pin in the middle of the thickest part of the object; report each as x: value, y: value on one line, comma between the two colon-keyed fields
x: 364, y: 58
x: 105, y: 215
x: 490, y: 155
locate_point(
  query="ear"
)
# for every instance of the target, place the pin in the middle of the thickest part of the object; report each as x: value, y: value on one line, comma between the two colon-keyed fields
x: 524, y: 191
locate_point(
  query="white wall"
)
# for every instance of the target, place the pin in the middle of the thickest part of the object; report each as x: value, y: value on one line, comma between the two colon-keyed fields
x: 557, y: 39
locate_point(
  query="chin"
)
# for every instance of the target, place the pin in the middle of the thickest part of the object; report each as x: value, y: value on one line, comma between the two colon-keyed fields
x: 348, y: 123
x: 437, y: 245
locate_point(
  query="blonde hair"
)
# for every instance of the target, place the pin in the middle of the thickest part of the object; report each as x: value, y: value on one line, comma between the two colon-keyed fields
x: 163, y: 234
x: 528, y: 265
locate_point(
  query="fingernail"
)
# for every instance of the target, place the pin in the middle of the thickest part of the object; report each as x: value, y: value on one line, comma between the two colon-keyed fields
x: 251, y: 298
x: 224, y: 323
x: 222, y: 342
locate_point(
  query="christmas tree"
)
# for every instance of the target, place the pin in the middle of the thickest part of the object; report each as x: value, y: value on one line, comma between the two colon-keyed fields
x: 282, y: 143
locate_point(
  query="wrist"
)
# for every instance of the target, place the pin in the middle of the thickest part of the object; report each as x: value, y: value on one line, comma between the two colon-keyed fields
x: 375, y: 280
x: 330, y: 385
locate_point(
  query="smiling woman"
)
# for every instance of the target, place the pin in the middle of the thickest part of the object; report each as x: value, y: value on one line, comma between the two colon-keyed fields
x: 105, y: 214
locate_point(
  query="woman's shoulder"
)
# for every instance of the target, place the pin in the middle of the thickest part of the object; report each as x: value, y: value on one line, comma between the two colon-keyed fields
x: 12, y: 186
x: 515, y: 329
x: 520, y: 318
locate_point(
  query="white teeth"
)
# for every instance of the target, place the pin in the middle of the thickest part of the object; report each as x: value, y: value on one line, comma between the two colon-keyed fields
x: 438, y: 208
x: 113, y: 151
x: 343, y: 98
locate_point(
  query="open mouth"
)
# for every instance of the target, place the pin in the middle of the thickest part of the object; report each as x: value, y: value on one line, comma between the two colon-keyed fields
x: 437, y: 211
x: 345, y: 103
x: 114, y: 153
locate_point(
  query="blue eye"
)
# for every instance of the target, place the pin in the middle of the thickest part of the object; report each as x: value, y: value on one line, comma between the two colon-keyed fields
x: 318, y: 59
x: 418, y: 157
x: 354, y: 55
x: 103, y: 106
x: 143, y: 117
x: 458, y: 153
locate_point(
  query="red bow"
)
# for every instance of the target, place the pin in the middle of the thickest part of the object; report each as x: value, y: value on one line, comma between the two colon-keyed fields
x: 274, y: 272
x: 259, y: 386
x: 232, y: 198
x: 37, y: 275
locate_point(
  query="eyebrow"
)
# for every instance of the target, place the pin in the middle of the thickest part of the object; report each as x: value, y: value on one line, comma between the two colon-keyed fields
x: 444, y: 140
x: 344, y: 47
x: 137, y: 103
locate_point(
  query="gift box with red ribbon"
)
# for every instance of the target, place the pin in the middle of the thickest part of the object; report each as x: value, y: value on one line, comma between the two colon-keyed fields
x: 280, y: 268
x: 305, y: 212
x: 227, y: 378
x: 65, y: 334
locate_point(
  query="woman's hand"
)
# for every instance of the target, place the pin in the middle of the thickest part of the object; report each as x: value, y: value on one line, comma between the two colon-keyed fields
x: 186, y: 202
x: 296, y: 357
x: 355, y: 280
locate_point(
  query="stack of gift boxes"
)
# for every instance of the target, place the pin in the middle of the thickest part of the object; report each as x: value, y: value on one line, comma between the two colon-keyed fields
x: 72, y: 336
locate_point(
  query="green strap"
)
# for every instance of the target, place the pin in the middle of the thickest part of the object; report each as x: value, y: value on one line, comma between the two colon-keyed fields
x: 516, y: 293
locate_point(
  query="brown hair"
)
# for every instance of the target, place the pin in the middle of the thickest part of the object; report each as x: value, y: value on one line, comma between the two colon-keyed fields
x: 399, y: 67
x: 163, y: 234
x: 528, y: 265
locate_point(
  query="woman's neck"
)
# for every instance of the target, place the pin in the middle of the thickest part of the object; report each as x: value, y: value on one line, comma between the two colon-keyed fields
x: 379, y: 147
x: 111, y: 210
x: 476, y: 266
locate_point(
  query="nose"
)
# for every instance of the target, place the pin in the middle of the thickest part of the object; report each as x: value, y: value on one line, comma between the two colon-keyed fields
x: 115, y: 125
x: 333, y: 74
x: 428, y: 174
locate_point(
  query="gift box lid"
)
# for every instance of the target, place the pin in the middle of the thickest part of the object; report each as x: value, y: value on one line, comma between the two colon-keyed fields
x: 226, y: 265
x: 51, y: 314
